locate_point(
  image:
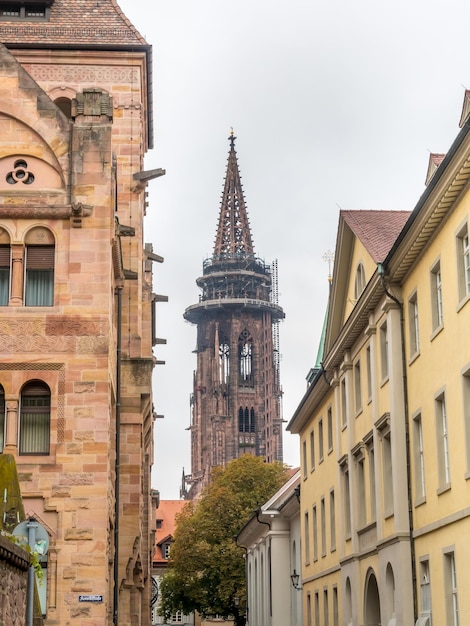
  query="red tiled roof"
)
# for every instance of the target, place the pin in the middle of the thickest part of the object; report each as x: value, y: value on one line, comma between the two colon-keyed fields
x: 166, y: 512
x: 75, y: 22
x: 377, y: 230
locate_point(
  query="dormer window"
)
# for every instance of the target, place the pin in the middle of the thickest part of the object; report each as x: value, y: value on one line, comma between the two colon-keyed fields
x: 30, y: 10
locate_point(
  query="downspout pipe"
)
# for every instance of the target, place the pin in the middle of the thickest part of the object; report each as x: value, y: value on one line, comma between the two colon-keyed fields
x: 381, y: 272
x: 117, y: 467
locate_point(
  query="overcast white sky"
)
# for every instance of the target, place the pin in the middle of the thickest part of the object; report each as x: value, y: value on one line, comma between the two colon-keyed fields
x: 334, y: 103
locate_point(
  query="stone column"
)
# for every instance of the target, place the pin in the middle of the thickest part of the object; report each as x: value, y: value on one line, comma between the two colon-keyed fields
x: 11, y: 434
x: 17, y: 273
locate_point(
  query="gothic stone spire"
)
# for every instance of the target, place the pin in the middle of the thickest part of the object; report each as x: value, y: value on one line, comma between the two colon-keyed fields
x: 233, y: 232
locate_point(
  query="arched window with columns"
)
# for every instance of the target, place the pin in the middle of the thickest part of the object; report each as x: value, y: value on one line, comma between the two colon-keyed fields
x: 35, y: 418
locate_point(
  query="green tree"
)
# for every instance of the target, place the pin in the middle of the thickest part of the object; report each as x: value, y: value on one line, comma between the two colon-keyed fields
x: 206, y: 570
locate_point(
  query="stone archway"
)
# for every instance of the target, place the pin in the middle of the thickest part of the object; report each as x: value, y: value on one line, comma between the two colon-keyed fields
x: 371, y: 601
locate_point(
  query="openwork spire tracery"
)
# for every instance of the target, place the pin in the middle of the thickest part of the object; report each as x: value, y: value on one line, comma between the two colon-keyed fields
x: 233, y: 232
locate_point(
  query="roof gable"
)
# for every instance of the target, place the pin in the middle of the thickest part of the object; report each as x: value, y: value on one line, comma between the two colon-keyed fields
x: 364, y: 239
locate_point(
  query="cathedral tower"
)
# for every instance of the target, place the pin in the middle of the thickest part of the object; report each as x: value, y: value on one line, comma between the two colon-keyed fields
x: 236, y: 401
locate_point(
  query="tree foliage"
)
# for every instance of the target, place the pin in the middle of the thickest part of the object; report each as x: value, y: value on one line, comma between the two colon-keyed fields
x: 206, y: 570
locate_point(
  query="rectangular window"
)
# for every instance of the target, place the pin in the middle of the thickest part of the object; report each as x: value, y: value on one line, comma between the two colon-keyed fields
x: 166, y: 549
x: 323, y: 526
x: 330, y: 429
x: 326, y: 615
x: 463, y: 260
x: 317, y: 609
x: 369, y: 373
x: 466, y: 414
x: 413, y: 324
x: 344, y: 404
x: 373, y: 500
x: 335, y: 607
x: 443, y: 459
x: 357, y: 387
x: 177, y: 618
x: 39, y: 280
x: 418, y: 450
x: 450, y: 586
x: 320, y: 440
x: 307, y: 538
x: 346, y: 498
x: 387, y: 476
x: 312, y: 450
x: 315, y: 533
x: 384, y: 351
x: 332, y: 521
x: 361, y: 492
x: 32, y: 10
x: 10, y: 10
x: 425, y: 588
x: 309, y: 610
x: 436, y: 297
x: 304, y: 458
x: 4, y: 275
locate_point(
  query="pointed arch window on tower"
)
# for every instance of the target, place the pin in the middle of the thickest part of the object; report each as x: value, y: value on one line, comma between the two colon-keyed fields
x: 246, y: 420
x: 245, y: 352
x: 224, y: 361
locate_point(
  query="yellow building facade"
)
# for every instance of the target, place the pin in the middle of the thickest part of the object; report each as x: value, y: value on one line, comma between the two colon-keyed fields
x: 384, y: 424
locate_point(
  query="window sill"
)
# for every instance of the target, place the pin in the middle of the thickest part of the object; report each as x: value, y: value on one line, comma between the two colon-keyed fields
x: 436, y: 332
x: 443, y: 489
x: 463, y: 302
x: 384, y: 381
x: 419, y: 501
x: 413, y: 357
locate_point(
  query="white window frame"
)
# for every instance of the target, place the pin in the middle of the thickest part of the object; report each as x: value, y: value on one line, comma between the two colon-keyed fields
x: 443, y: 449
x: 463, y: 262
x: 436, y: 297
x: 413, y: 315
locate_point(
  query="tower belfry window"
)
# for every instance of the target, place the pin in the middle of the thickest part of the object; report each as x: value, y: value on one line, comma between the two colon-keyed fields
x: 245, y: 351
x: 224, y: 361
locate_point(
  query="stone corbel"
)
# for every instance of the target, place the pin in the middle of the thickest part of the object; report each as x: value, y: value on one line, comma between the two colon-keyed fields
x: 79, y: 211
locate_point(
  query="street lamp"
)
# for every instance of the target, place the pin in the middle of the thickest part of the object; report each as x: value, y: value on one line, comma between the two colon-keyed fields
x: 295, y: 580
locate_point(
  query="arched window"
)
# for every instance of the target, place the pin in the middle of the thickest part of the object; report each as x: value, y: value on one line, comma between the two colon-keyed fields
x: 246, y: 420
x: 245, y: 353
x: 360, y: 281
x: 5, y: 264
x: 224, y: 361
x: 39, y: 266
x: 65, y: 105
x: 35, y: 418
x: 2, y: 418
x: 240, y: 420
